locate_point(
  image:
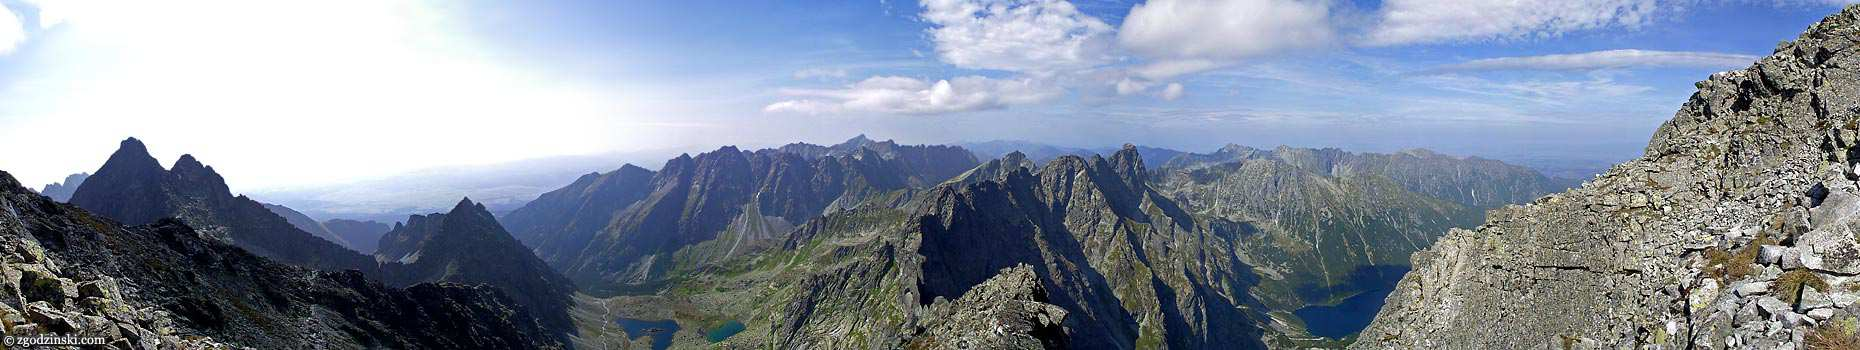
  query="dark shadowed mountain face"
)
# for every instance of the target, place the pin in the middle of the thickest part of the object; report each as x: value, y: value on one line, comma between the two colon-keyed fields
x: 628, y: 229
x: 362, y: 236
x: 307, y: 224
x: 133, y: 188
x: 61, y: 191
x: 1124, y: 266
x: 468, y: 246
x: 163, y: 285
x: 564, y: 220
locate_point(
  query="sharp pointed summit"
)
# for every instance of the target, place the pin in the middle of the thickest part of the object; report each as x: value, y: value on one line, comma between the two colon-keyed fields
x: 432, y: 248
x: 133, y: 188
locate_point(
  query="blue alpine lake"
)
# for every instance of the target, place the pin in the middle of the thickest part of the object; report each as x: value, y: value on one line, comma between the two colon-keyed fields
x: 724, y: 331
x: 1350, y: 316
x: 660, y: 331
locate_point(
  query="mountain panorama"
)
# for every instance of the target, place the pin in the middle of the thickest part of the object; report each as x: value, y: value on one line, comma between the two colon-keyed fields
x: 1736, y: 227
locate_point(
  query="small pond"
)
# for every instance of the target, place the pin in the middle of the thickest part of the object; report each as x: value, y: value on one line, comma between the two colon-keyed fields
x: 660, y: 331
x: 724, y: 331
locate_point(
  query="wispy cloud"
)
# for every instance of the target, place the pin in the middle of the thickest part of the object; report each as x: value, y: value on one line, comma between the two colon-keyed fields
x: 820, y: 73
x: 1403, y: 22
x: 1543, y: 92
x: 904, y: 95
x: 1604, y: 60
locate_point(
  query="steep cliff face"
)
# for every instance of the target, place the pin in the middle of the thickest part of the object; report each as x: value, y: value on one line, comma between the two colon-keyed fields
x: 133, y: 188
x: 560, y: 222
x: 1733, y: 230
x: 466, y: 245
x: 1129, y: 266
x: 162, y: 285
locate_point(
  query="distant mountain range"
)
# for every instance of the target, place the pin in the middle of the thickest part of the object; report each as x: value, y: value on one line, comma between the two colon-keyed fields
x: 61, y: 191
x: 903, y: 245
x: 627, y: 230
x: 501, y: 187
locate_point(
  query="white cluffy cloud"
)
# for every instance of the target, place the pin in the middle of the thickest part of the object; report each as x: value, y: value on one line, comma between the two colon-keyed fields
x: 1606, y: 59
x: 904, y: 95
x: 1017, y: 35
x: 1187, y: 36
x: 12, y: 31
x: 1404, y: 22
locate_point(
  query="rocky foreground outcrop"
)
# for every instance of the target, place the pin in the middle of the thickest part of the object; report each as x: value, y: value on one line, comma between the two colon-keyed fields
x: 1734, y: 230
x: 1009, y: 311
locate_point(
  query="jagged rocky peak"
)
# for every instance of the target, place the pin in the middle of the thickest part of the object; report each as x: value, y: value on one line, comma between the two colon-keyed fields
x: 133, y: 188
x: 467, y: 245
x: 1129, y: 165
x: 1731, y: 231
x: 131, y: 153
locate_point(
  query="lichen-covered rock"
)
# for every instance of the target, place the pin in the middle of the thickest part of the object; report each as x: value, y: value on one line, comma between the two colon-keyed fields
x: 1763, y: 155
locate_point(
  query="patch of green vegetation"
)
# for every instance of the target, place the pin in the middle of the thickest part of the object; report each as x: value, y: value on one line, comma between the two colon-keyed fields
x: 1789, y: 285
x: 1150, y: 338
x: 1838, y: 334
x: 1732, y: 266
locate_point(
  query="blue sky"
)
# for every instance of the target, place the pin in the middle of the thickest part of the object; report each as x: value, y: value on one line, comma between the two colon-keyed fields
x: 279, y: 94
